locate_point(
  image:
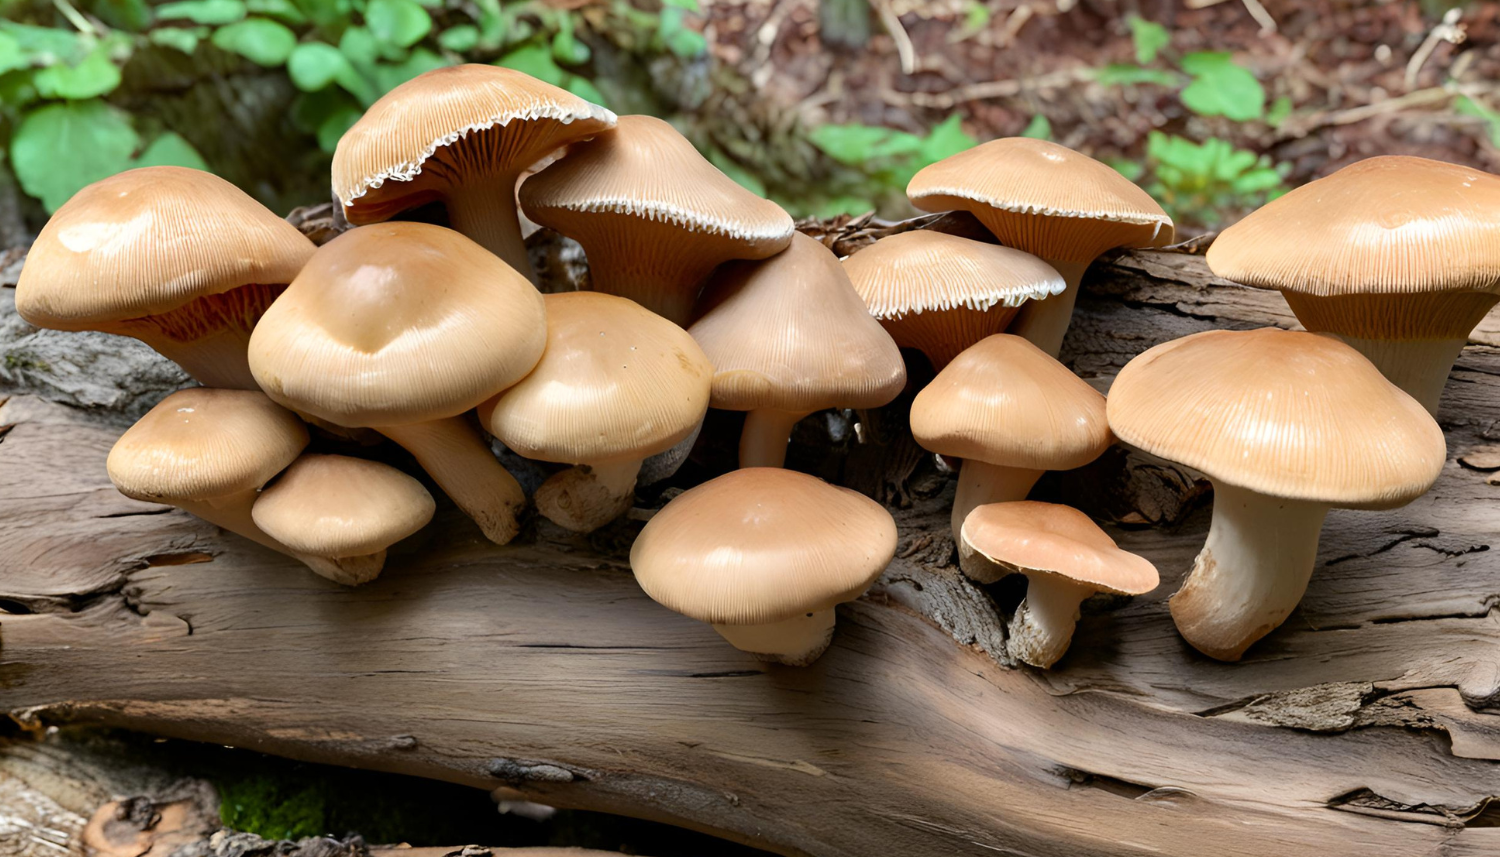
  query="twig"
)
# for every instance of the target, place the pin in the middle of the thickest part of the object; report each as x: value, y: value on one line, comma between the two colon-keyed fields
x: 892, y: 23
x: 997, y: 88
x: 1254, y: 7
x: 1308, y: 124
x: 1450, y: 30
x: 82, y: 24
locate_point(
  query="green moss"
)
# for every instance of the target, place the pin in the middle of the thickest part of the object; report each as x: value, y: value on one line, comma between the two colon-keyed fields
x: 21, y: 361
x: 273, y: 807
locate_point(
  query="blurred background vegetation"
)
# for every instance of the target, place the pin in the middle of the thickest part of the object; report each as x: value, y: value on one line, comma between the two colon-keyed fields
x: 827, y: 106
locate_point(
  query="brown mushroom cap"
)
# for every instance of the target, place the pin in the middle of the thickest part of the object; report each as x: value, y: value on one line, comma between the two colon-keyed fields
x: 762, y: 545
x: 1287, y: 414
x: 1004, y: 401
x: 617, y: 381
x: 398, y: 323
x: 1045, y: 199
x: 148, y: 241
x: 791, y: 333
x: 201, y: 443
x: 337, y: 506
x: 439, y: 128
x: 1045, y: 538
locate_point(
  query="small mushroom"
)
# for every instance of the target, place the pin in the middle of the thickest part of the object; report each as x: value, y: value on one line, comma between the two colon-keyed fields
x: 617, y: 383
x: 1397, y: 256
x: 764, y: 555
x: 1066, y: 558
x: 940, y: 293
x: 1011, y: 413
x: 403, y: 327
x: 787, y: 337
x: 653, y: 216
x: 177, y: 258
x: 1286, y: 425
x: 461, y: 136
x: 340, y: 514
x: 1051, y: 202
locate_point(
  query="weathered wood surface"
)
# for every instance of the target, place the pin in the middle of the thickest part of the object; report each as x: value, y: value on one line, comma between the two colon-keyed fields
x: 1367, y: 724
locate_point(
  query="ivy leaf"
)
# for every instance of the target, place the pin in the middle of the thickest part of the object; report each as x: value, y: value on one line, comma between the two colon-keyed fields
x: 171, y: 150
x: 459, y: 39
x: 359, y: 47
x: 946, y: 139
x: 1148, y: 36
x: 213, y: 12
x: 398, y: 23
x: 1039, y: 128
x: 44, y: 46
x: 92, y: 138
x: 283, y: 10
x: 93, y: 77
x: 1222, y: 88
x: 537, y: 61
x: 184, y: 39
x: 259, y: 40
x: 856, y: 145
x: 314, y: 65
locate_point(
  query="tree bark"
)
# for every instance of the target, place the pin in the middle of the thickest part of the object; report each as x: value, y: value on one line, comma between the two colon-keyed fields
x: 1366, y: 724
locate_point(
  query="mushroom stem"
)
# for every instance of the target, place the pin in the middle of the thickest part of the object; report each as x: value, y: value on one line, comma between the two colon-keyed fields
x: 1251, y: 572
x: 796, y: 642
x: 766, y: 434
x: 1418, y: 366
x: 1042, y: 629
x: 586, y: 497
x: 486, y: 212
x: 980, y: 483
x: 656, y: 274
x: 232, y: 512
x: 216, y: 360
x: 347, y: 570
x: 460, y: 462
x: 1044, y: 323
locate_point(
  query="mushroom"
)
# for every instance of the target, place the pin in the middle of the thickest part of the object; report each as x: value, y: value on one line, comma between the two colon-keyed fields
x: 764, y: 555
x: 1051, y: 202
x: 940, y: 293
x: 177, y: 258
x: 1286, y: 425
x: 1066, y: 558
x: 790, y: 336
x: 340, y: 514
x: 1010, y: 412
x: 1397, y: 256
x: 402, y: 327
x: 617, y: 383
x: 208, y: 452
x: 462, y: 136
x: 652, y: 215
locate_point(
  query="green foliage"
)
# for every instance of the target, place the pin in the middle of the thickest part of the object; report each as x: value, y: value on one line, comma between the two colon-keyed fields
x: 94, y: 140
x: 1148, y: 36
x: 880, y: 162
x: 1466, y: 106
x: 1123, y: 74
x: 1198, y: 182
x: 273, y: 808
x: 260, y: 40
x: 1222, y: 88
x: 1039, y: 128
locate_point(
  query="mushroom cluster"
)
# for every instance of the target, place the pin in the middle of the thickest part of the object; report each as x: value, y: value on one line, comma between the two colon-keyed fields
x: 702, y: 295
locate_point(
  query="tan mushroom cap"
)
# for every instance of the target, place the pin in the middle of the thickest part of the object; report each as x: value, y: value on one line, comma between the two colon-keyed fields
x: 644, y: 169
x: 1046, y: 538
x: 1004, y: 401
x: 1045, y: 199
x: 616, y: 381
x: 398, y: 323
x: 791, y: 333
x: 201, y: 443
x: 762, y: 545
x: 337, y: 506
x: 1288, y: 414
x: 148, y: 241
x: 402, y: 152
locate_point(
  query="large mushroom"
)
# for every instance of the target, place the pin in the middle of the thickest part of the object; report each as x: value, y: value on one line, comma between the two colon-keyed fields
x: 653, y: 216
x: 177, y: 258
x: 402, y: 327
x: 764, y: 555
x: 1397, y: 256
x: 617, y: 384
x: 940, y: 293
x: 787, y: 337
x: 1066, y: 558
x: 1051, y: 202
x: 1286, y: 425
x: 1011, y: 413
x: 461, y: 136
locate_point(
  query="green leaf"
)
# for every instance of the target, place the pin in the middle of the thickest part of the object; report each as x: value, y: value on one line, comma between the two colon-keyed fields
x: 1466, y: 106
x: 11, y: 55
x: 314, y: 65
x: 388, y: 76
x: 1132, y: 170
x: 259, y: 40
x: 284, y: 11
x: 947, y: 138
x: 171, y: 150
x: 359, y: 47
x: 1279, y: 111
x: 184, y: 39
x: 535, y: 60
x: 1222, y: 88
x: 1149, y: 38
x: 93, y: 77
x: 334, y: 127
x: 1038, y: 128
x: 399, y: 23
x: 1122, y: 74
x: 212, y: 12
x: 856, y: 145
x: 43, y: 46
x: 566, y: 48
x: 677, y: 37
x: 685, y: 5
x: 94, y: 140
x: 585, y: 89
x: 492, y: 27
x: 459, y: 39
x: 732, y: 168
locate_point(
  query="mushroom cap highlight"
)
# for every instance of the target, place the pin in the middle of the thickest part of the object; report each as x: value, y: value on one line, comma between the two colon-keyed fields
x: 1006, y: 402
x: 398, y: 323
x: 762, y: 545
x: 393, y: 157
x: 1288, y: 414
x: 1045, y: 538
x: 926, y: 271
x: 337, y: 506
x: 791, y: 333
x: 201, y: 443
x: 1045, y: 199
x: 617, y: 381
x: 147, y: 241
